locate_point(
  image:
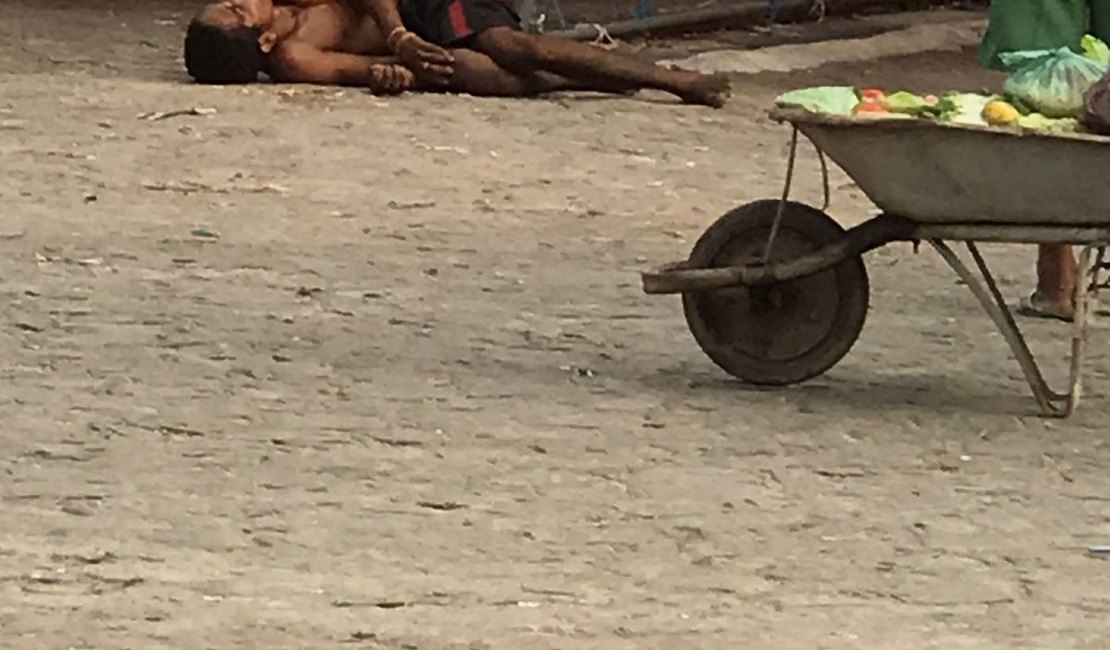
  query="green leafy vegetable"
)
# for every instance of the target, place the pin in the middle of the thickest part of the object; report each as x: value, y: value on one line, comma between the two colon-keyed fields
x: 1038, y: 122
x: 909, y: 104
x: 1022, y: 107
x: 1095, y: 49
x: 964, y: 108
x: 833, y: 100
x: 882, y: 116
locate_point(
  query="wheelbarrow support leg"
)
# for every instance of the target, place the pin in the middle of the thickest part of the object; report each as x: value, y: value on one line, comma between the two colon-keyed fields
x: 1051, y: 403
x: 1086, y: 292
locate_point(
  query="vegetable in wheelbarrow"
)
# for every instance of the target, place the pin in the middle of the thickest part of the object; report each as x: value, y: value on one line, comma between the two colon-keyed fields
x: 1041, y: 124
x: 1095, y: 49
x: 1004, y: 114
x: 1000, y: 113
x: 874, y: 103
x: 870, y: 102
x: 969, y: 109
x: 831, y: 100
x: 964, y: 108
x: 1051, y: 82
x: 908, y: 103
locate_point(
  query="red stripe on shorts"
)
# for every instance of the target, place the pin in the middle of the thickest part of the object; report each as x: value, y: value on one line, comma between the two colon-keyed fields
x: 459, y: 24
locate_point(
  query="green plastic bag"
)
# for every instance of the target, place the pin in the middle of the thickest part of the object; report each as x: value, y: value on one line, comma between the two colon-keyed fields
x: 1051, y: 82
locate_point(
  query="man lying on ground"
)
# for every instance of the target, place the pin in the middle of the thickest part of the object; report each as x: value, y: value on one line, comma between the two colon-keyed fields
x: 390, y: 46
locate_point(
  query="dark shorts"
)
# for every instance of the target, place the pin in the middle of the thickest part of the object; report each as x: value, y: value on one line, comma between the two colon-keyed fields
x: 450, y: 22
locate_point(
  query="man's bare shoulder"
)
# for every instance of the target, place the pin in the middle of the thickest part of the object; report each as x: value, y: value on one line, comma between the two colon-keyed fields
x: 290, y: 53
x: 304, y: 3
x: 289, y: 60
x: 356, y: 7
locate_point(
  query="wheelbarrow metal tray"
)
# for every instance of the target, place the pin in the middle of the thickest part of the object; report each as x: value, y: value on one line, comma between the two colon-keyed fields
x: 936, y: 173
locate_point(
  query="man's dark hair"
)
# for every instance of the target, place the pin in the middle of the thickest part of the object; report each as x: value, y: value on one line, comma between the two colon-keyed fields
x: 219, y: 55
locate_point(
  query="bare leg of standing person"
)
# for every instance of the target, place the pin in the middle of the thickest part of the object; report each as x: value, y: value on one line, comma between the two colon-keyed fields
x: 1056, y: 275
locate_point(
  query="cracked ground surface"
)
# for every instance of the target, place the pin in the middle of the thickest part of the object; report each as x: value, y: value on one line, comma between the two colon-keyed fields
x: 321, y: 370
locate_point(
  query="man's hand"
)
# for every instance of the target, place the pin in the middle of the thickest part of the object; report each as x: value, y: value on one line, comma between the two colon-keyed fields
x: 390, y: 79
x: 431, y: 63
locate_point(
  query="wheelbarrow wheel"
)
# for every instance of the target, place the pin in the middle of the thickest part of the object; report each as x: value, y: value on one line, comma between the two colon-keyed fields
x: 787, y: 332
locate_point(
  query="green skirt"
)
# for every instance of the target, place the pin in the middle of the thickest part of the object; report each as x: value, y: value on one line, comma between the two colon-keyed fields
x: 1041, y: 25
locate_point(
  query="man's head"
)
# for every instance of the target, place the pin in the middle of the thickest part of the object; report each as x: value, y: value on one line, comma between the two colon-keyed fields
x: 227, y: 42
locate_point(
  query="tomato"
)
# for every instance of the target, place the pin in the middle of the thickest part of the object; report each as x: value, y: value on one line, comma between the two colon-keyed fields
x: 870, y: 107
x: 872, y: 94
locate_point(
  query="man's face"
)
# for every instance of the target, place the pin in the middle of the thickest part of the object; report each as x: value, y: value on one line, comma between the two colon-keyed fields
x: 239, y: 13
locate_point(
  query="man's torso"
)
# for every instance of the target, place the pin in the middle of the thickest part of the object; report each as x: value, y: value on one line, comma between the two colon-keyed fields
x: 345, y: 26
x: 339, y: 26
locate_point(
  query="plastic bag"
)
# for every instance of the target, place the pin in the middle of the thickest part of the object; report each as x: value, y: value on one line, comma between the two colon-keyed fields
x: 1096, y: 107
x: 1051, y: 82
x: 832, y: 100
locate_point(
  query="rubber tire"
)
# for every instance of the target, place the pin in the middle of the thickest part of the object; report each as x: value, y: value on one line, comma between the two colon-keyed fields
x: 851, y: 281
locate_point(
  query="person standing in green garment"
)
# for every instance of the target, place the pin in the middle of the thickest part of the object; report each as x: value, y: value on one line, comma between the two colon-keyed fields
x: 1045, y: 25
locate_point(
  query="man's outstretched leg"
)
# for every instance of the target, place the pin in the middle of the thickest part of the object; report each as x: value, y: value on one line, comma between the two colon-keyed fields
x: 525, y: 53
x: 477, y: 74
x: 493, y: 28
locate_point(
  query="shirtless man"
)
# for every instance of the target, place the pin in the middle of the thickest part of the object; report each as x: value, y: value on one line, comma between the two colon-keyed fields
x: 390, y: 46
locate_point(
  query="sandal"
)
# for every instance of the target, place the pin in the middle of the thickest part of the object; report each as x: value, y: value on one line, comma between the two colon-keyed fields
x: 1031, y: 307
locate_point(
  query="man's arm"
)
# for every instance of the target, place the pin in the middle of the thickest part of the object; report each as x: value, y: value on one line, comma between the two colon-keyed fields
x: 300, y: 63
x: 431, y: 62
x: 387, y: 13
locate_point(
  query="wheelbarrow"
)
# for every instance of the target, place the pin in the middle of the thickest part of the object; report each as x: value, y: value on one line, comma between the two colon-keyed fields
x: 776, y: 292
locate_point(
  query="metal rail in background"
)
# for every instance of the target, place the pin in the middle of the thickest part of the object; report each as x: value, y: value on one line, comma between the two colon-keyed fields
x: 731, y: 14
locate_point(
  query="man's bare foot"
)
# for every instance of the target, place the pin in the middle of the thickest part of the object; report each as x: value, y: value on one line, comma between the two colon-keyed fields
x: 1037, y: 306
x: 707, y: 90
